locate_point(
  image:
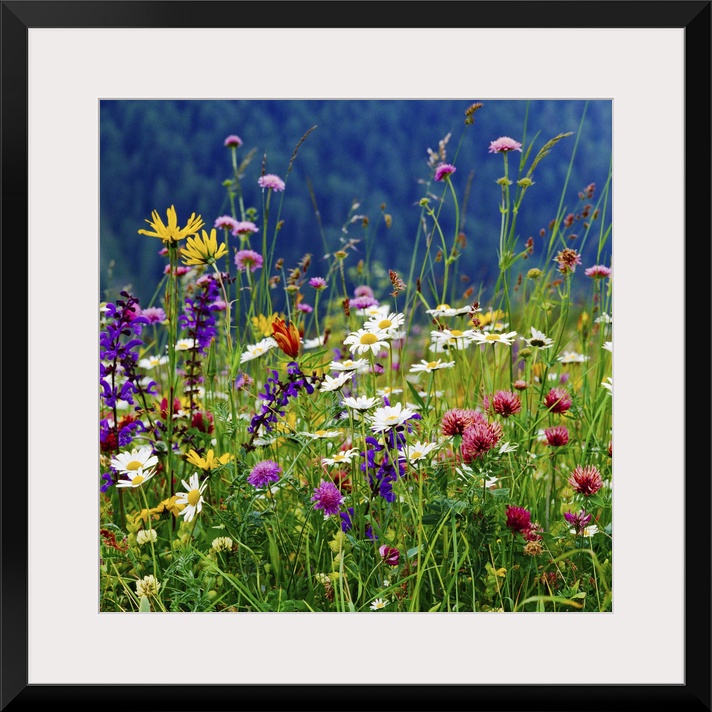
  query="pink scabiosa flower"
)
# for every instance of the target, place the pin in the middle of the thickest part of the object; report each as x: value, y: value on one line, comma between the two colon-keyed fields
x: 444, y: 170
x: 579, y: 521
x: 248, y: 259
x: 363, y: 302
x: 586, y: 480
x: 317, y: 283
x: 598, y: 271
x: 233, y: 141
x: 179, y: 271
x: 363, y: 290
x: 155, y: 315
x: 504, y: 144
x: 328, y: 498
x: 244, y: 228
x: 479, y: 438
x: 519, y: 520
x: 263, y: 473
x: 557, y: 436
x: 305, y: 308
x: 455, y: 420
x: 225, y: 221
x: 271, y: 182
x: 389, y: 554
x: 557, y: 400
x: 506, y: 403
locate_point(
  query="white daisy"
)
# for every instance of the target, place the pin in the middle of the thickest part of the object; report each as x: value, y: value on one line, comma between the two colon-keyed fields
x: 572, y: 357
x: 377, y: 310
x: 419, y: 451
x: 153, y: 361
x: 388, y: 324
x: 603, y: 319
x: 388, y: 391
x: 492, y: 338
x: 538, y: 339
x: 451, y: 339
x: 322, y: 434
x: 608, y: 385
x: 129, y: 462
x: 508, y: 447
x: 349, y: 365
x: 361, y: 403
x: 588, y: 531
x: 379, y: 604
x: 341, y: 457
x: 314, y: 343
x: 363, y: 341
x: 136, y: 477
x: 333, y: 384
x: 430, y: 366
x: 192, y: 498
x: 608, y: 345
x: 253, y: 351
x: 389, y: 417
x: 447, y: 310
x: 186, y: 344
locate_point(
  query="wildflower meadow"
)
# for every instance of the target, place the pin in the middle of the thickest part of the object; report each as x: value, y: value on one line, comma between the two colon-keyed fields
x: 341, y: 434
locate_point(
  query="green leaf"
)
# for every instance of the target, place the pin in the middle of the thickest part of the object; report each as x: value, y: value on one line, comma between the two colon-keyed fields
x: 144, y: 605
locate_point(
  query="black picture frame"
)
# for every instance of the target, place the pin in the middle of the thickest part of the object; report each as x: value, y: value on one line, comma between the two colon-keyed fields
x: 16, y: 694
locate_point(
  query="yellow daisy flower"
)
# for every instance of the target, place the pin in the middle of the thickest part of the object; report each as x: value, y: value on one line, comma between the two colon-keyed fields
x: 209, y: 462
x: 203, y: 250
x: 172, y: 232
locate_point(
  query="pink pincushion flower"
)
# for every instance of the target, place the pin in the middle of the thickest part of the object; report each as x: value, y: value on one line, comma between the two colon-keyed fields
x: 558, y: 400
x: 328, y: 498
x: 519, y: 520
x: 363, y: 302
x: 557, y: 436
x: 244, y: 227
x: 479, y: 438
x: 444, y: 170
x: 248, y: 259
x: 317, y: 283
x: 271, y: 181
x: 504, y: 144
x: 226, y: 221
x: 363, y: 290
x: 155, y: 315
x: 506, y: 403
x: 233, y: 140
x: 305, y: 308
x: 586, y: 480
x: 598, y: 271
x: 263, y: 473
x: 567, y: 260
x: 455, y: 420
x: 180, y: 270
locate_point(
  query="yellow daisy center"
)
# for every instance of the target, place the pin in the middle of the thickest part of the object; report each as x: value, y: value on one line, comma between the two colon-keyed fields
x: 137, y: 480
x: 320, y: 433
x: 348, y: 363
x: 338, y: 457
x: 368, y: 339
x: 258, y: 349
x: 416, y: 454
x: 442, y: 307
x: 193, y: 497
x: 391, y: 418
x: 433, y: 364
x: 492, y: 337
x: 134, y: 465
x: 385, y: 323
x: 456, y: 332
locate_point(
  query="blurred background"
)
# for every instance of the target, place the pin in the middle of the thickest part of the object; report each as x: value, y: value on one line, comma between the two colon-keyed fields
x: 365, y: 158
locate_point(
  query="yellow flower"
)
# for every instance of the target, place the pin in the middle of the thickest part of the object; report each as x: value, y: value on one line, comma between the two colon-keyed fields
x: 263, y: 324
x: 171, y: 232
x: 166, y: 506
x: 209, y: 462
x: 203, y: 250
x: 490, y: 316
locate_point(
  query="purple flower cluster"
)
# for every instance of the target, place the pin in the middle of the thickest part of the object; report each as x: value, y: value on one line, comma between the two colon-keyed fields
x: 347, y: 523
x: 198, y: 318
x: 379, y: 466
x: 275, y: 396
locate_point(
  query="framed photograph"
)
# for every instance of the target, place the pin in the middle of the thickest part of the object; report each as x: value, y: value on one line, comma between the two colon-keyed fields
x: 354, y: 355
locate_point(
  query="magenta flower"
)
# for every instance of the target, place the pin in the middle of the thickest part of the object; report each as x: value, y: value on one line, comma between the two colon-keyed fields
x: 305, y: 308
x: 389, y: 554
x: 248, y: 259
x: 519, y: 520
x: 317, y: 283
x: 506, y: 403
x: 455, y: 420
x: 586, y: 480
x: 363, y: 290
x: 558, y: 400
x: 328, y: 498
x: 479, y: 438
x: 155, y: 315
x: 363, y: 302
x: 504, y: 144
x: 263, y: 473
x: 598, y: 271
x: 244, y: 228
x: 233, y: 140
x: 567, y: 260
x: 444, y: 170
x: 557, y: 436
x: 226, y: 221
x: 580, y: 521
x: 271, y: 181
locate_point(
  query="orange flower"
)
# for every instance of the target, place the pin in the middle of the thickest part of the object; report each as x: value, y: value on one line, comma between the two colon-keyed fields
x: 287, y: 337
